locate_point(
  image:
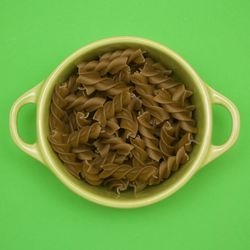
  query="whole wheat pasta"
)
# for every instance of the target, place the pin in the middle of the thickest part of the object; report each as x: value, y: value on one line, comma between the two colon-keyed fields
x: 122, y: 121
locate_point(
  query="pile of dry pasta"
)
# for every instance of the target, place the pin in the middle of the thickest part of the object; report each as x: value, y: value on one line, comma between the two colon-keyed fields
x: 122, y: 121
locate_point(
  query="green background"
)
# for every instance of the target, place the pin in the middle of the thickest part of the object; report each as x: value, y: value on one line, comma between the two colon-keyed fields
x: 211, y: 212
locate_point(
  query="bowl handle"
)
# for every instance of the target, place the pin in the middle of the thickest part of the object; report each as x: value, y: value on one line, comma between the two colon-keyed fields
x: 216, y: 150
x: 29, y: 97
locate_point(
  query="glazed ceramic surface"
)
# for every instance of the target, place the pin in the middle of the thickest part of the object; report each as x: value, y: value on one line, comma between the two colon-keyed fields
x: 203, y: 97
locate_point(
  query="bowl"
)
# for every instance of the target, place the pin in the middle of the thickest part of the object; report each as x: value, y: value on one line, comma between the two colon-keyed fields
x: 203, y: 97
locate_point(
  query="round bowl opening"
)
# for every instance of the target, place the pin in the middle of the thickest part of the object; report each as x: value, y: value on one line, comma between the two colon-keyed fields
x: 202, y: 114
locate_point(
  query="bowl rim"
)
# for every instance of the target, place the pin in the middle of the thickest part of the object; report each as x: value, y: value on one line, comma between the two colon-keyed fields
x: 42, y: 138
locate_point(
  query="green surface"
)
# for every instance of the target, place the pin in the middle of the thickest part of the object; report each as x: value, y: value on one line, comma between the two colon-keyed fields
x: 211, y: 212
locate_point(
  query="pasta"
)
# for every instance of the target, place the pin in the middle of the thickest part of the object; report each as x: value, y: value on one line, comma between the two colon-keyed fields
x: 122, y: 121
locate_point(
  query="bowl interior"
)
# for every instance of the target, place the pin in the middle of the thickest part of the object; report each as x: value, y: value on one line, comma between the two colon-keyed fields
x: 182, y: 71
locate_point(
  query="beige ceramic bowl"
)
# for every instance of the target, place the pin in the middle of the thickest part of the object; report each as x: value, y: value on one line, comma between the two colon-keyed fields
x: 204, y: 97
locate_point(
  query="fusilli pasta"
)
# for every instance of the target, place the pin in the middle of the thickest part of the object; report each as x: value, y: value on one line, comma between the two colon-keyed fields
x: 122, y: 121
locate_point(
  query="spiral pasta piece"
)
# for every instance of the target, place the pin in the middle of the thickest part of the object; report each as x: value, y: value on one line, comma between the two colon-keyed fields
x: 125, y: 171
x: 92, y: 81
x: 166, y: 140
x: 183, y: 114
x: 58, y: 116
x: 158, y: 75
x: 128, y: 123
x: 84, y: 134
x: 76, y: 102
x: 139, y: 154
x: 172, y: 163
x: 59, y: 145
x: 103, y: 67
x: 151, y: 142
x: 103, y: 114
x: 117, y: 143
x: 146, y: 93
x: 91, y: 174
x: 133, y: 55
